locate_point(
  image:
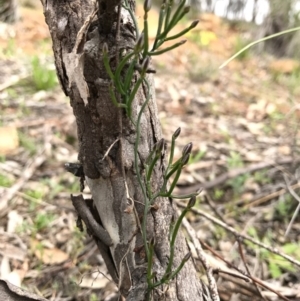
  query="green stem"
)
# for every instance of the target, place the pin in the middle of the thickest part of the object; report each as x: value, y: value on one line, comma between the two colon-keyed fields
x: 132, y: 15
x: 171, y: 154
x: 129, y: 75
x: 169, y: 9
x: 132, y: 95
x: 173, y: 239
x: 107, y: 66
x: 120, y: 67
x: 174, y: 20
x: 146, y: 36
x: 114, y: 99
x: 160, y: 23
x: 174, y: 181
x: 151, y: 167
x: 136, y: 165
x: 181, y: 33
x: 158, y: 52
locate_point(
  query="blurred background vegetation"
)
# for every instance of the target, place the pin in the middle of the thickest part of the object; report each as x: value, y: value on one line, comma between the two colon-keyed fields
x: 272, y: 15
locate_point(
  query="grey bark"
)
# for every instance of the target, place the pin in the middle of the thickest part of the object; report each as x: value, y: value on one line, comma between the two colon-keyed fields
x: 8, y: 11
x: 117, y: 200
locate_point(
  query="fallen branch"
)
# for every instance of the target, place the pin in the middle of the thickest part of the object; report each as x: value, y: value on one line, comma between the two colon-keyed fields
x: 235, y: 173
x: 238, y: 234
x: 29, y: 170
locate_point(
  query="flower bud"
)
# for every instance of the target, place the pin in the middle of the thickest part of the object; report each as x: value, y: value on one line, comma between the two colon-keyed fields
x: 192, y: 201
x: 145, y: 64
x: 104, y: 48
x: 176, y: 133
x: 160, y: 145
x: 186, y: 9
x: 194, y: 24
x: 187, y: 149
x: 147, y: 5
x: 187, y: 256
x: 185, y: 159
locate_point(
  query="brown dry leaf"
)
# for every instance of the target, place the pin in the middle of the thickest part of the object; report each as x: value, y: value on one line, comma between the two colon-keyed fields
x: 252, y: 156
x: 95, y: 283
x: 257, y: 111
x: 284, y: 150
x: 9, y: 140
x: 255, y: 128
x: 285, y: 66
x: 48, y: 256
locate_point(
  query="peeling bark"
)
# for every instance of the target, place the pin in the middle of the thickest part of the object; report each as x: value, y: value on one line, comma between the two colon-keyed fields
x: 10, y: 292
x: 78, y: 35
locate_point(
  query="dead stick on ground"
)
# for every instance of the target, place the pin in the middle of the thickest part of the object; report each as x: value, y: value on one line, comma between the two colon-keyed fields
x: 254, y: 279
x: 235, y: 173
x: 295, y: 195
x: 241, y: 236
x: 209, y: 271
x: 261, y: 200
x: 248, y: 270
x: 29, y: 170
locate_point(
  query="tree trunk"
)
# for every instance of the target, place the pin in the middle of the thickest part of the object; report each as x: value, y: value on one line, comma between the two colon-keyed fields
x: 106, y: 151
x: 8, y: 11
x: 278, y: 20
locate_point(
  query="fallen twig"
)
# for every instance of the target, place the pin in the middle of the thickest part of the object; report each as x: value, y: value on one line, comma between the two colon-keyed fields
x: 209, y: 271
x: 235, y: 173
x: 254, y: 279
x: 295, y: 195
x: 29, y: 170
x: 241, y: 236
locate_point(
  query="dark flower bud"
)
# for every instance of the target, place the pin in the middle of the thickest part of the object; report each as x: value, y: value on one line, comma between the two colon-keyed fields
x: 185, y: 159
x: 192, y: 201
x: 160, y: 145
x: 186, y: 9
x: 194, y: 24
x: 147, y: 5
x: 145, y: 64
x: 176, y: 133
x: 187, y: 256
x: 182, y: 42
x: 187, y: 149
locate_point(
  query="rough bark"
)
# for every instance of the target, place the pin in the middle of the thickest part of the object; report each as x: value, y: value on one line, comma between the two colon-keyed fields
x: 8, y: 11
x: 117, y: 197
